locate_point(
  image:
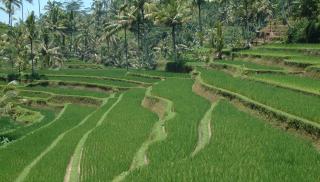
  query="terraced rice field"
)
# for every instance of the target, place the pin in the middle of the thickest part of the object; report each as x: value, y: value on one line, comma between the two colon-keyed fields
x: 291, y: 81
x: 64, y: 91
x: 293, y: 46
x: 49, y: 169
x: 243, y: 148
x: 248, y: 65
x: 111, y: 148
x: 17, y: 158
x: 209, y: 125
x: 6, y: 124
x: 290, y: 56
x: 292, y: 102
x: 115, y: 83
x: 113, y: 73
x: 14, y: 132
x: 2, y: 82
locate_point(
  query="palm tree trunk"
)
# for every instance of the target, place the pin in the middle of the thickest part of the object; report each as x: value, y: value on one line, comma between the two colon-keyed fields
x: 200, y: 24
x: 12, y: 63
x: 139, y: 44
x: 39, y: 6
x: 126, y: 47
x: 246, y: 4
x: 32, y: 64
x: 10, y: 18
x: 174, y: 43
x: 22, y: 9
x: 144, y: 36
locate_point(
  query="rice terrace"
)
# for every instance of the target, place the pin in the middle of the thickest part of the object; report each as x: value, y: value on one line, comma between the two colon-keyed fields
x: 159, y: 90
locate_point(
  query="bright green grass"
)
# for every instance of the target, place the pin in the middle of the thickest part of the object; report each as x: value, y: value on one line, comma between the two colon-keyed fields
x: 16, y: 156
x: 294, y: 81
x: 94, y: 81
x: 196, y: 63
x: 28, y: 93
x: 21, y: 131
x: 68, y: 91
x: 289, y: 101
x: 182, y: 130
x: 289, y: 55
x: 3, y: 82
x: 248, y: 65
x: 242, y: 148
x: 110, y: 149
x: 161, y: 73
x: 6, y: 124
x: 5, y: 69
x: 293, y: 46
x: 110, y: 72
x: 315, y: 68
x: 52, y: 167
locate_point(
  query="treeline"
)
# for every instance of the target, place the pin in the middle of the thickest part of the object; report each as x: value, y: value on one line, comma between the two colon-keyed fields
x: 142, y: 33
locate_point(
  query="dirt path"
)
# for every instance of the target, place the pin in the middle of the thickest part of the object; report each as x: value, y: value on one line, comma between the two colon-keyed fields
x: 204, y: 131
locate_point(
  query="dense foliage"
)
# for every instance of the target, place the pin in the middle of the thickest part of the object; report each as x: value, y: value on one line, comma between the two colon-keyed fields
x: 143, y: 33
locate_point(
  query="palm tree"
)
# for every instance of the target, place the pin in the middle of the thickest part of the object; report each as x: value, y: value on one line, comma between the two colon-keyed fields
x: 198, y: 3
x: 172, y: 14
x: 73, y: 9
x: 124, y: 20
x: 22, y: 8
x: 39, y: 8
x: 31, y: 28
x: 84, y: 39
x: 54, y: 22
x: 217, y: 39
x: 139, y: 4
x: 9, y: 8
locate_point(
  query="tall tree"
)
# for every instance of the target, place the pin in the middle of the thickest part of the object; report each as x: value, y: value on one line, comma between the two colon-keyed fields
x: 199, y: 4
x: 55, y: 22
x: 22, y: 8
x: 9, y: 8
x: 173, y: 13
x: 123, y: 21
x: 39, y: 8
x: 31, y: 29
x: 73, y: 10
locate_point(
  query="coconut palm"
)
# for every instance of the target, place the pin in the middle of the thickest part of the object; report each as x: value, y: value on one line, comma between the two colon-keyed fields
x: 54, y: 21
x: 9, y: 8
x: 39, y: 8
x: 31, y: 32
x: 123, y: 21
x: 199, y: 3
x: 22, y: 8
x: 17, y: 39
x: 217, y: 40
x: 84, y: 39
x: 73, y: 10
x: 140, y: 13
x: 172, y: 14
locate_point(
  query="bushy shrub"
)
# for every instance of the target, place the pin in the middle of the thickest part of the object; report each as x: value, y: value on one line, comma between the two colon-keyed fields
x: 304, y: 31
x: 313, y: 32
x: 233, y: 37
x: 217, y: 39
x: 8, y: 88
x: 178, y: 67
x: 13, y: 76
x: 296, y: 33
x: 33, y: 76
